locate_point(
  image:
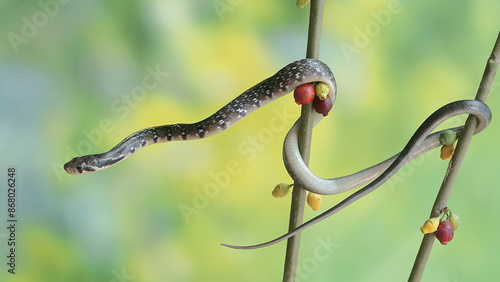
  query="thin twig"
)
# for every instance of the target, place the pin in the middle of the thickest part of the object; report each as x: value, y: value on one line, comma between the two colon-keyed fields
x: 454, y: 165
x: 305, y: 134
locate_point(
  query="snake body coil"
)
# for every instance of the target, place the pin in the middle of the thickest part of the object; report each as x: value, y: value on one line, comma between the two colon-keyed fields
x: 375, y: 176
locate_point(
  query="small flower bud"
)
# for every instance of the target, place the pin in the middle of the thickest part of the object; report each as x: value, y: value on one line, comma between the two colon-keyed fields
x: 447, y: 151
x: 302, y: 3
x: 447, y: 137
x: 281, y: 190
x: 445, y: 232
x: 430, y: 225
x: 314, y: 201
x: 454, y: 220
x: 321, y: 90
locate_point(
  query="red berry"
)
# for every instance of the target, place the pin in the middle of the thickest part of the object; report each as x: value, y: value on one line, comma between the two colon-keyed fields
x: 304, y: 94
x: 323, y: 106
x: 444, y: 232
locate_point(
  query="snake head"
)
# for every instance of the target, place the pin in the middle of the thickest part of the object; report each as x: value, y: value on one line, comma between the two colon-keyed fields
x: 90, y: 163
x: 81, y: 165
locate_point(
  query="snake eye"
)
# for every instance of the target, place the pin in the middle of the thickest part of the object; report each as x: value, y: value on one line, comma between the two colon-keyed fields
x: 81, y: 168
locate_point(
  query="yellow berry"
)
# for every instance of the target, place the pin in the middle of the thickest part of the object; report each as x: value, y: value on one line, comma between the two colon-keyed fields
x: 447, y: 151
x: 302, y: 3
x: 281, y: 190
x: 321, y: 90
x: 430, y: 225
x: 314, y: 201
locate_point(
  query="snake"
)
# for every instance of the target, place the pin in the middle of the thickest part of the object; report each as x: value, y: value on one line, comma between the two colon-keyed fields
x: 422, y: 141
x: 281, y: 83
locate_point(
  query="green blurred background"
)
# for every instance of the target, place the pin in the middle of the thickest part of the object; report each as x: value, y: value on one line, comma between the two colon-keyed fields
x: 71, y: 72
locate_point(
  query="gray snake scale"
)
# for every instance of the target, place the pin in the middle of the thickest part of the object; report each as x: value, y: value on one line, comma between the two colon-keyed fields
x: 276, y: 86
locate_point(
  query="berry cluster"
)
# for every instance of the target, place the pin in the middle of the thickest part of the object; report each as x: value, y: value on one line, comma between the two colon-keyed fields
x: 443, y: 229
x: 304, y: 94
x: 315, y: 93
x: 447, y: 138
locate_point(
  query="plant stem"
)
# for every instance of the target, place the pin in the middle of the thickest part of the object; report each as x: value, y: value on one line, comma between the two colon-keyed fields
x: 455, y: 162
x: 305, y: 134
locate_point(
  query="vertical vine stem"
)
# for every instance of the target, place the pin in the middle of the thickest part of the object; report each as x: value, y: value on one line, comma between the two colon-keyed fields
x: 454, y: 165
x: 305, y: 134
